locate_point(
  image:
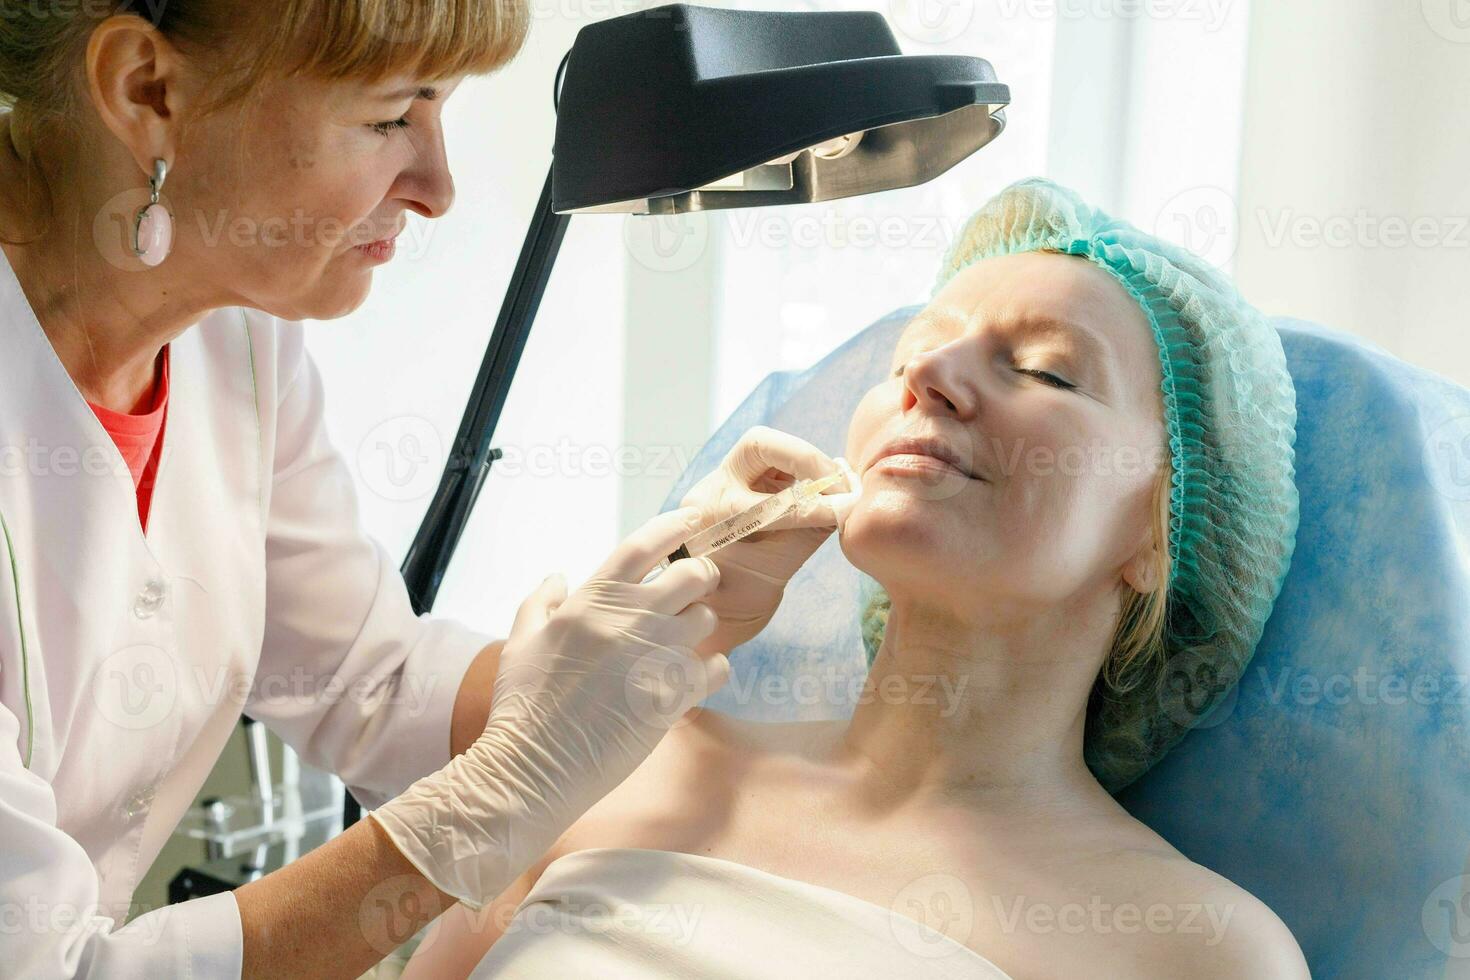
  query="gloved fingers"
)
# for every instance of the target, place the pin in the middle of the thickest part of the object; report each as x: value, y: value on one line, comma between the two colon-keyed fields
x: 829, y: 508
x: 716, y: 672
x: 762, y: 449
x: 719, y: 495
x: 809, y: 515
x: 665, y: 684
x: 683, y: 582
x: 691, y: 627
x: 537, y: 607
x: 632, y: 560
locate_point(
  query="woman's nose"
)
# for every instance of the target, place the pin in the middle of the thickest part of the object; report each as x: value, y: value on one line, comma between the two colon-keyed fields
x: 428, y: 185
x: 936, y: 381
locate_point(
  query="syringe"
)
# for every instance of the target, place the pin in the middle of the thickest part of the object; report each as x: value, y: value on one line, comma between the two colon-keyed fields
x: 746, y: 523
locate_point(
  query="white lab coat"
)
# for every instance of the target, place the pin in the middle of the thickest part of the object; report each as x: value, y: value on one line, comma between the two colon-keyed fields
x: 126, y: 661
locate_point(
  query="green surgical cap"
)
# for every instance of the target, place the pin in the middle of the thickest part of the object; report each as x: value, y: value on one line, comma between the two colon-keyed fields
x: 1230, y: 409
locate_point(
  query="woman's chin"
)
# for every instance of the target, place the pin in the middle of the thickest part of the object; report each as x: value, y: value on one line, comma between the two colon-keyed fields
x: 328, y: 301
x: 878, y: 536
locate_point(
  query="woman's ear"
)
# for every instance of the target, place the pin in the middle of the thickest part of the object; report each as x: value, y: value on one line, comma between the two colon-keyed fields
x: 1142, y: 570
x: 136, y: 78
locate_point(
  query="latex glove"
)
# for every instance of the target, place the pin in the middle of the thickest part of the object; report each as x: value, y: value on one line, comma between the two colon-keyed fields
x: 754, y: 571
x: 588, y: 685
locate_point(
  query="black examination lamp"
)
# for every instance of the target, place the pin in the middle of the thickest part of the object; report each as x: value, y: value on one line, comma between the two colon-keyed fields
x: 680, y: 109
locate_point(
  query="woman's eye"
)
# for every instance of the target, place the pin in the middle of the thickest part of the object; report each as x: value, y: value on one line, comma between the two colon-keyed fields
x: 1049, y: 378
x: 384, y: 128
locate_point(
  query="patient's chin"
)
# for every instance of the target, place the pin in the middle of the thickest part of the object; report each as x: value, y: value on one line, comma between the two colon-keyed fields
x: 879, y: 540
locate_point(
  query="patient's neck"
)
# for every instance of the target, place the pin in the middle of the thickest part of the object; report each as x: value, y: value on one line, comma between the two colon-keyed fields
x: 992, y: 713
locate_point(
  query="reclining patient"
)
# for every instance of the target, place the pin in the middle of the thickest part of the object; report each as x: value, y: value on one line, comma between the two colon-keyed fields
x: 1079, y: 470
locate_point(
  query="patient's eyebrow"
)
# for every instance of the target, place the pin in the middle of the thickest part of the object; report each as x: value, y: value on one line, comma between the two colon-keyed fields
x: 1087, y: 339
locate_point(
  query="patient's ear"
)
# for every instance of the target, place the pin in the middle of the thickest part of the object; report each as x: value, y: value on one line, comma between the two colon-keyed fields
x: 1142, y: 571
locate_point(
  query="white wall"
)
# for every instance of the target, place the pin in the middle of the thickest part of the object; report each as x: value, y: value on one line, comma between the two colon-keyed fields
x: 1357, y: 140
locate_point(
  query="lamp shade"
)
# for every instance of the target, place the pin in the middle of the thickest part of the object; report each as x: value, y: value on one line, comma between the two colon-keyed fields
x: 682, y: 108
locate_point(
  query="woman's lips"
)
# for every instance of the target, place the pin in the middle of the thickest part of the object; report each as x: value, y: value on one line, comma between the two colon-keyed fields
x: 917, y: 464
x: 381, y: 250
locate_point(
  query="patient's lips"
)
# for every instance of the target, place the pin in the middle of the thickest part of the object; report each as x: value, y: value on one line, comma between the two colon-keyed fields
x: 921, y: 455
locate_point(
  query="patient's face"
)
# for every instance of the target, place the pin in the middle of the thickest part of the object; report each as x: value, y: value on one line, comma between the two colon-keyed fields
x: 1039, y: 375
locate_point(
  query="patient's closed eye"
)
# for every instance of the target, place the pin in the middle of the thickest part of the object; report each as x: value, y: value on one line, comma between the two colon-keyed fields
x: 1046, y: 376
x: 1053, y: 380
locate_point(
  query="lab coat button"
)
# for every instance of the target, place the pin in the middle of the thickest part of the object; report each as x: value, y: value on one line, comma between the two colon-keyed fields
x: 149, y: 600
x: 139, y: 802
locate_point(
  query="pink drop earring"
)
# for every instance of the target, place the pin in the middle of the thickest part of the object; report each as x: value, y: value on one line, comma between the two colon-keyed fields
x: 153, y: 229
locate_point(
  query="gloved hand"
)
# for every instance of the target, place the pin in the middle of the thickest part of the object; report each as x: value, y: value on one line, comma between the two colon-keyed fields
x: 754, y: 571
x: 587, y: 687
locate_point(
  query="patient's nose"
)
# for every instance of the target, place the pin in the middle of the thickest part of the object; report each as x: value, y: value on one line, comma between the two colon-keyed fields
x: 936, y: 381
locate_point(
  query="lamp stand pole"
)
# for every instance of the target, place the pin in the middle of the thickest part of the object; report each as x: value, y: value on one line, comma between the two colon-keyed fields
x: 471, y: 456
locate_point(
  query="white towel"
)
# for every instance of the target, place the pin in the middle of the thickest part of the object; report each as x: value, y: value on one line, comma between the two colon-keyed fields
x: 622, y: 913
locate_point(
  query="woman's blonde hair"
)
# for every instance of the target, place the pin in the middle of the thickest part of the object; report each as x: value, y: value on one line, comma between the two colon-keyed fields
x: 243, y: 42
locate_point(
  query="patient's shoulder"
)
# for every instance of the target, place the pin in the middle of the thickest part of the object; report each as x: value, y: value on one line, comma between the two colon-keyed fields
x: 1216, y: 930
